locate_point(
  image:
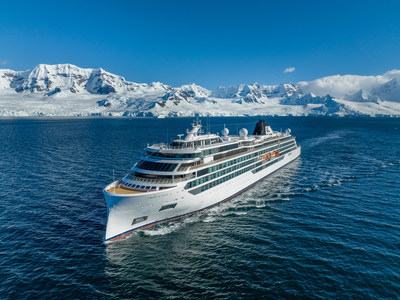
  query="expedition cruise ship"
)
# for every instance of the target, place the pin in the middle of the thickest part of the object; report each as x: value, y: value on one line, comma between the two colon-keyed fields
x: 193, y: 173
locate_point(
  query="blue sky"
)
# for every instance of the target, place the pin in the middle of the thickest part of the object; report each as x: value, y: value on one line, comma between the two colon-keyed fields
x: 210, y: 43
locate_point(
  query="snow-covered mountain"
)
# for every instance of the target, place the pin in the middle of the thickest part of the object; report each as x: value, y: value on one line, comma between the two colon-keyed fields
x: 52, y: 79
x: 360, y: 88
x: 256, y: 93
x: 67, y: 90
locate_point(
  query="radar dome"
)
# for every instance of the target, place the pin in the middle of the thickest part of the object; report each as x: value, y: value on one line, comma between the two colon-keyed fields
x: 225, y: 131
x: 243, y: 132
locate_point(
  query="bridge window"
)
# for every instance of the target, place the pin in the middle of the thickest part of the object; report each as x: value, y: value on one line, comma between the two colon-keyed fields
x: 156, y: 166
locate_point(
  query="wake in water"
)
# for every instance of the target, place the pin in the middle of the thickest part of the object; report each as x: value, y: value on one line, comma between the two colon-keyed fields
x: 310, y: 143
x: 216, y: 213
x: 388, y: 164
x: 316, y: 141
x: 165, y: 228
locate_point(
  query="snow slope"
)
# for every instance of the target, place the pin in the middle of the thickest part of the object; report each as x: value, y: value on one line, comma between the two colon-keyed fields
x: 67, y: 90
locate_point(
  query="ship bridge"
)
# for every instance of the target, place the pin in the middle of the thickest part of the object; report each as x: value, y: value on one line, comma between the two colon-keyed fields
x: 190, y: 144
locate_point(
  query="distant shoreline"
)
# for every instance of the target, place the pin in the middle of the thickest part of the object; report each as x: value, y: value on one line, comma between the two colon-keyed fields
x: 190, y: 117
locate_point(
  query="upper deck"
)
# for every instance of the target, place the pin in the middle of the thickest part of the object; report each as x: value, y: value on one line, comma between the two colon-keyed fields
x: 196, y: 144
x: 165, y: 166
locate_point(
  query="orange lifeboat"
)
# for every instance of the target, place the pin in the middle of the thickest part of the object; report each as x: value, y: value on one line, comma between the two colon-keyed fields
x: 267, y: 156
x: 275, y: 153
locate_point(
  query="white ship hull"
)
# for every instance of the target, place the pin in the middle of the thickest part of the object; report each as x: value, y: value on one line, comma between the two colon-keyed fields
x: 123, y: 209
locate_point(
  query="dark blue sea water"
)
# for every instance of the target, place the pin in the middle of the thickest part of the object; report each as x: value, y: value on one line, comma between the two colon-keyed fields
x: 326, y: 226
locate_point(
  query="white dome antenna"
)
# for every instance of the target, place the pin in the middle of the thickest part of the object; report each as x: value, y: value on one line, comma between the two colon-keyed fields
x: 243, y: 133
x: 225, y: 132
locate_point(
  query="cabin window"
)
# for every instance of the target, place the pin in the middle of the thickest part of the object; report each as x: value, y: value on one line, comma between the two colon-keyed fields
x: 151, y: 176
x: 202, y: 172
x: 169, y: 206
x: 138, y: 220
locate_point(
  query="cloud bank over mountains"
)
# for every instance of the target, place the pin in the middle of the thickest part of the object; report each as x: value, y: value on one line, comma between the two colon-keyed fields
x: 67, y: 90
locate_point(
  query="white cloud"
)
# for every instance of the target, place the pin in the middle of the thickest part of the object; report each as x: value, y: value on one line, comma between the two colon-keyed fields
x: 289, y: 70
x: 342, y: 85
x: 4, y: 62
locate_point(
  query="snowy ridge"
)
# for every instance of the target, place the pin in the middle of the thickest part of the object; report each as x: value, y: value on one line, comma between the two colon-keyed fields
x: 255, y: 92
x: 67, y: 90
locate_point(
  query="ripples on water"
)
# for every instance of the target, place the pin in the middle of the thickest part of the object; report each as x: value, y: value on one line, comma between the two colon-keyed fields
x: 325, y: 226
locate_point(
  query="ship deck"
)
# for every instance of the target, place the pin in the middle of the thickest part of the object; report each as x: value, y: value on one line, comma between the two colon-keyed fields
x: 120, y: 190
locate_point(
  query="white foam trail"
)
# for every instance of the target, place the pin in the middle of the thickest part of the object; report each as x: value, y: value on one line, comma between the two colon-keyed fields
x: 316, y: 141
x: 240, y: 213
x: 168, y: 227
x: 209, y: 219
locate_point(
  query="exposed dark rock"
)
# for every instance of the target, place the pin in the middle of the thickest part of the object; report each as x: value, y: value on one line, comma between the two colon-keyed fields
x: 104, y: 103
x: 105, y: 90
x: 55, y: 91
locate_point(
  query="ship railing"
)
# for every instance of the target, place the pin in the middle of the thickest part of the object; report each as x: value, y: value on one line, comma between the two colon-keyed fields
x: 168, y: 147
x: 160, y: 181
x: 164, y: 146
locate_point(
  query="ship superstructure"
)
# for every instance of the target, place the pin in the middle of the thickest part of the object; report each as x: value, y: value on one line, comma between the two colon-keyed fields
x: 193, y: 173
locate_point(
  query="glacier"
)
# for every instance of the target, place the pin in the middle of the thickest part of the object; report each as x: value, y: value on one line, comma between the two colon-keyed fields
x: 66, y: 90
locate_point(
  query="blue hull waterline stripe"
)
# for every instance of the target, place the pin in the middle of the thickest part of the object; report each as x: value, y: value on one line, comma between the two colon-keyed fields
x: 196, y: 211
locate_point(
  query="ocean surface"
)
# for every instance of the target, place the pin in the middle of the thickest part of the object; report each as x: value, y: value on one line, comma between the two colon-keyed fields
x: 325, y: 226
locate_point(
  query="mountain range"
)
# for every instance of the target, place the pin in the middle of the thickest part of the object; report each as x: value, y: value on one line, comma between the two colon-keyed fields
x: 67, y: 90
